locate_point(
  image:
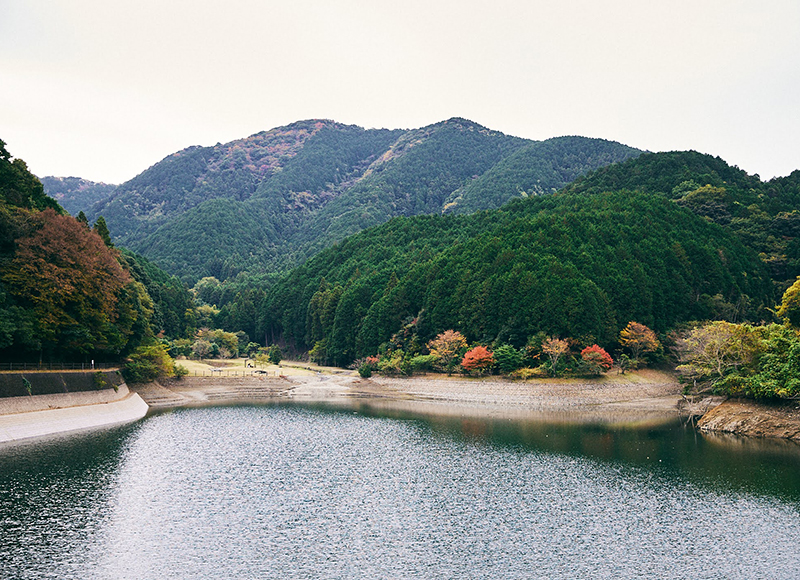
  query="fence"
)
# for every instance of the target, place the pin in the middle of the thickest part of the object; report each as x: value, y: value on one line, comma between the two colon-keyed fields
x: 30, y: 366
x: 235, y: 373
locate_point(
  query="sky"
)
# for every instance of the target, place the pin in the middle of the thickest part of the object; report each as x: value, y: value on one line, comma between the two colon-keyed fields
x: 104, y: 89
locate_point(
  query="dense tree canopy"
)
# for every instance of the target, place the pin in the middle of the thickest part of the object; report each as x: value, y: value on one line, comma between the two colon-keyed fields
x: 568, y: 265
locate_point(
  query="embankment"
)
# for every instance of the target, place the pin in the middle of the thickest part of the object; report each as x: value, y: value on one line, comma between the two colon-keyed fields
x: 64, y: 402
x: 754, y: 419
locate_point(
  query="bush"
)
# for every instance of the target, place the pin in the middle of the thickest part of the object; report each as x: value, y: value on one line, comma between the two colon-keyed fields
x: 148, y: 363
x: 365, y: 371
x: 526, y: 373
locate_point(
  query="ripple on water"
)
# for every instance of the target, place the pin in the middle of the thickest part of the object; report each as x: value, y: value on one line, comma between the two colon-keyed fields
x: 251, y: 492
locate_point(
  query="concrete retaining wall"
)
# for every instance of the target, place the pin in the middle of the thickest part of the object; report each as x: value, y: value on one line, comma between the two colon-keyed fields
x: 32, y: 424
x: 73, y: 404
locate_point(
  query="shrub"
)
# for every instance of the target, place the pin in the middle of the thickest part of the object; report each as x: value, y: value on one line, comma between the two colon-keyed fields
x: 596, y: 360
x: 148, y: 363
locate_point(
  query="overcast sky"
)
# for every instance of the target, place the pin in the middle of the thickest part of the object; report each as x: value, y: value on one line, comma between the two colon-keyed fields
x: 103, y: 89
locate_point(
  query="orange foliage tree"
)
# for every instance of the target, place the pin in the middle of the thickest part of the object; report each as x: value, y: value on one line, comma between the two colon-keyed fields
x: 447, y: 348
x: 639, y: 339
x: 478, y: 359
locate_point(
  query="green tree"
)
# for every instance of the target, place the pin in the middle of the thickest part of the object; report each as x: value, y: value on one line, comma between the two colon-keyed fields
x: 507, y: 358
x: 101, y: 229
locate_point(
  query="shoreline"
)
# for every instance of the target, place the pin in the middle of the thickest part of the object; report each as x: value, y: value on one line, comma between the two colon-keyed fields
x: 642, y: 398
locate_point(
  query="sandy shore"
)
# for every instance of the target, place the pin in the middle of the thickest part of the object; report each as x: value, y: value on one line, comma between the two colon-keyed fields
x: 642, y: 397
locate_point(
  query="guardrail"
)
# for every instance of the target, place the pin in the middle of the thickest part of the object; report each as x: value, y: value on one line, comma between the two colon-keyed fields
x: 29, y: 366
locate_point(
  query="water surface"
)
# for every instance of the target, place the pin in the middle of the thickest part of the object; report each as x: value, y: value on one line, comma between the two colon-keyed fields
x: 297, y: 492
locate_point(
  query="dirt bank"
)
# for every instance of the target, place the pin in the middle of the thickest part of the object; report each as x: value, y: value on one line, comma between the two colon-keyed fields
x: 645, y: 396
x: 754, y: 419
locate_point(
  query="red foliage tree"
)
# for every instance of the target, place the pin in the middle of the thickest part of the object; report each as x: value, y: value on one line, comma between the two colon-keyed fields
x: 596, y: 359
x: 477, y: 359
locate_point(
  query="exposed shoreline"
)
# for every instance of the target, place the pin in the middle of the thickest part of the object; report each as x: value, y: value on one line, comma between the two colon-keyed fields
x: 641, y: 398
x: 645, y: 397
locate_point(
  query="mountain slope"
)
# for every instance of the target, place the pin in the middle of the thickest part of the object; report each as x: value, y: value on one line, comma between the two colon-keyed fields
x: 539, y: 168
x: 569, y: 265
x: 268, y: 202
x: 76, y: 194
x: 764, y: 215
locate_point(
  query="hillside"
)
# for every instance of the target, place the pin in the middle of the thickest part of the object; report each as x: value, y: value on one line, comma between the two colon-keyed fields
x: 566, y: 265
x: 64, y: 293
x: 268, y: 202
x: 764, y: 215
x: 75, y: 194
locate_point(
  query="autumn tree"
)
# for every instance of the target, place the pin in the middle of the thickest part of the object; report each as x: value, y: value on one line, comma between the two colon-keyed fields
x: 789, y: 309
x: 478, y: 359
x: 447, y: 348
x: 73, y: 282
x: 554, y: 348
x: 596, y: 359
x: 638, y: 339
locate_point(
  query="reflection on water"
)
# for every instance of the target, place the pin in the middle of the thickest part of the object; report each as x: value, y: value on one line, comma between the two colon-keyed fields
x: 275, y: 491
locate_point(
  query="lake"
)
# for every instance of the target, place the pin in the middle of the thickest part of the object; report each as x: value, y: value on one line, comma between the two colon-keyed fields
x: 309, y: 492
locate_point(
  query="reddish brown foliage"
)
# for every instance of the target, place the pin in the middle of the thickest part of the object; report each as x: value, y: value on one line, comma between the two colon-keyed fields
x: 478, y: 358
x: 67, y: 274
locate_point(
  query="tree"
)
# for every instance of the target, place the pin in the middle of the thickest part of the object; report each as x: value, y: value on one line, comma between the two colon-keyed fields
x: 508, y: 358
x: 148, y: 363
x: 596, y: 359
x: 789, y: 309
x: 201, y: 348
x: 554, y: 348
x: 639, y: 339
x: 447, y: 348
x: 101, y: 229
x: 710, y: 351
x: 73, y: 282
x: 274, y: 354
x: 478, y: 359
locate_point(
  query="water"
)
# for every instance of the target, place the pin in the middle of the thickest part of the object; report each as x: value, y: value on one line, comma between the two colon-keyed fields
x: 297, y: 492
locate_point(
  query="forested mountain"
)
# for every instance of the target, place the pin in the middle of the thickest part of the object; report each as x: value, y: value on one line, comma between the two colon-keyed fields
x: 540, y: 168
x: 266, y: 203
x: 75, y: 194
x: 764, y: 215
x: 566, y: 265
x: 64, y: 292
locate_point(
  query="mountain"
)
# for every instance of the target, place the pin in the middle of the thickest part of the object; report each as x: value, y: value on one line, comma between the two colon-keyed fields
x: 268, y: 202
x: 75, y: 194
x: 579, y: 266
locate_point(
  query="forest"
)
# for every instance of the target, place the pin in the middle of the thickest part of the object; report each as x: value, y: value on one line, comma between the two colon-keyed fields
x: 450, y: 248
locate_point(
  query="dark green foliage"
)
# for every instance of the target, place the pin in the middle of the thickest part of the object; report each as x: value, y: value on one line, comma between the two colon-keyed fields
x: 540, y: 168
x: 266, y: 203
x: 76, y: 194
x: 579, y: 266
x: 102, y: 230
x: 19, y: 187
x: 764, y: 216
x: 171, y: 298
